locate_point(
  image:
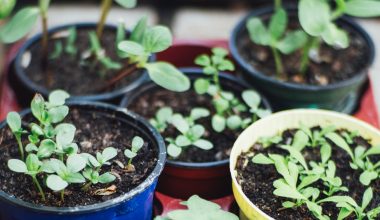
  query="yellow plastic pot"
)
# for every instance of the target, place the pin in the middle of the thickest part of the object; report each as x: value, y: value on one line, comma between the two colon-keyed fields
x: 281, y: 121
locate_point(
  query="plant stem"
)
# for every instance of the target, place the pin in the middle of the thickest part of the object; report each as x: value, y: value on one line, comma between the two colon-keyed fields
x: 313, y: 43
x: 35, y: 181
x: 106, y: 6
x: 217, y: 82
x: 278, y: 62
x: 123, y: 73
x: 62, y: 195
x: 20, y: 147
x: 44, y: 39
x: 277, y: 4
x: 86, y: 186
x: 339, y: 11
x: 129, y: 161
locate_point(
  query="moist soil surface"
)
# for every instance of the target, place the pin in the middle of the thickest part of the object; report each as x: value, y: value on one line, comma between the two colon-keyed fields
x: 148, y: 103
x: 70, y: 73
x: 95, y: 131
x: 257, y: 180
x: 334, y: 65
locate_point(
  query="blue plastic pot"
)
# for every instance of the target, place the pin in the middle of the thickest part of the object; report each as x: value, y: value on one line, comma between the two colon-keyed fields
x: 135, y: 205
x: 341, y: 96
x: 26, y: 88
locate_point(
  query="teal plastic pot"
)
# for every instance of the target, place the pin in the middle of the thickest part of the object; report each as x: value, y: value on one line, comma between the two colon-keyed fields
x: 341, y: 96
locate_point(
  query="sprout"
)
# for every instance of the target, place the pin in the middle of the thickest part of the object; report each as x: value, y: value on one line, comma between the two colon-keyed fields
x: 137, y: 144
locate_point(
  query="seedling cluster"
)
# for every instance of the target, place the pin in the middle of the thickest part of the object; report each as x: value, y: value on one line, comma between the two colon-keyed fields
x: 52, y: 154
x: 318, y: 21
x: 300, y: 179
x: 198, y: 208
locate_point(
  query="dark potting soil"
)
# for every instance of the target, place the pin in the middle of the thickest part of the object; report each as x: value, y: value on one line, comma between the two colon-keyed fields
x: 95, y: 131
x: 69, y: 74
x: 334, y: 66
x: 149, y: 102
x: 257, y: 180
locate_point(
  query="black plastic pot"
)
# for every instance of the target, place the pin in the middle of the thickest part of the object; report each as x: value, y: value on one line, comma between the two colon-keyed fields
x: 136, y: 204
x: 182, y: 179
x: 26, y: 88
x: 340, y: 96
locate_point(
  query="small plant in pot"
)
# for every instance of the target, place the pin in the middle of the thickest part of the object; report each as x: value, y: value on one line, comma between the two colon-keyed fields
x: 199, y: 125
x: 310, y: 164
x: 310, y: 56
x: 72, y: 161
x: 92, y: 65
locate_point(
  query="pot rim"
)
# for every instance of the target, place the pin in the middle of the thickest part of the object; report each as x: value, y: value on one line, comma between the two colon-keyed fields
x: 193, y: 71
x: 31, y: 85
x: 128, y: 115
x: 327, y: 116
x: 303, y: 87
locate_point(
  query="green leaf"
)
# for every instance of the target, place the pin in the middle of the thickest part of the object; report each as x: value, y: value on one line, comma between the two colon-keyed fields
x: 314, y: 16
x: 197, y: 203
x: 325, y: 152
x: 201, y: 86
x: 74, y: 178
x: 19, y: 25
x: 128, y: 153
x: 257, y: 31
x: 203, y: 60
x: 14, y: 121
x: 197, y: 113
x: 367, y: 197
x: 197, y: 131
x: 70, y: 47
x: 164, y: 114
x: 182, y: 141
x: 131, y: 47
x: 262, y: 159
x: 203, y: 144
x: 31, y: 147
x: 56, y: 183
x: 340, y: 142
x: 284, y: 190
x: 278, y: 23
x: 17, y: 166
x: 46, y: 149
x: 157, y: 39
x: 57, y: 114
x: 335, y: 36
x: 372, y: 151
x: 174, y: 150
x: 127, y: 3
x: 344, y: 213
x: 296, y: 154
x: 168, y: 76
x: 110, y: 153
x: 219, y: 51
x: 300, y: 140
x: 307, y: 180
x: 38, y: 107
x: 58, y: 48
x: 180, y: 123
x: 54, y: 166
x: 58, y: 97
x: 251, y: 98
x: 106, y: 178
x: 75, y: 163
x: 6, y: 8
x: 293, y: 41
x: 363, y: 8
x: 91, y: 160
x: 218, y: 123
x: 226, y: 65
x: 33, y: 164
x: 137, y: 143
x: 221, y: 105
x: 65, y: 134
x: 234, y: 122
x: 137, y: 34
x: 339, y: 199
x: 367, y: 176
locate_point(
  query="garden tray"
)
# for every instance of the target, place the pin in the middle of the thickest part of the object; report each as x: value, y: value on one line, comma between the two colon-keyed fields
x: 182, y: 54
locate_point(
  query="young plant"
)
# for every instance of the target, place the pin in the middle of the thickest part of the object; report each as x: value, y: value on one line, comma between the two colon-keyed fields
x: 227, y: 106
x: 362, y: 161
x: 64, y: 174
x: 275, y: 36
x: 32, y: 167
x: 14, y: 123
x: 198, y: 208
x: 190, y: 132
x: 162, y: 119
x: 137, y: 144
x: 94, y: 165
x: 69, y: 48
x: 318, y: 20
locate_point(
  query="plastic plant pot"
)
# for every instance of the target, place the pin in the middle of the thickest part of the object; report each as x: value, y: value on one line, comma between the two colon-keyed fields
x: 281, y: 121
x: 181, y: 180
x: 136, y: 204
x: 25, y: 88
x: 340, y: 96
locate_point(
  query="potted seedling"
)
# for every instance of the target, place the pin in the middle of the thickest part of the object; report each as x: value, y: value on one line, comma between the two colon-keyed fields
x: 307, y: 164
x: 310, y: 56
x: 198, y: 208
x: 74, y: 161
x: 199, y: 125
x: 92, y: 61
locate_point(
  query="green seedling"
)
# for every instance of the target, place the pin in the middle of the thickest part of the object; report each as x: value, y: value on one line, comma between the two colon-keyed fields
x: 162, y: 119
x: 362, y: 161
x: 94, y: 165
x: 6, y: 8
x: 61, y: 175
x: 268, y: 141
x: 70, y: 47
x: 31, y: 167
x: 137, y: 144
x: 200, y: 209
x: 348, y: 206
x: 142, y: 43
x: 317, y: 18
x: 274, y: 36
x: 227, y: 106
x: 190, y: 132
x: 14, y: 123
